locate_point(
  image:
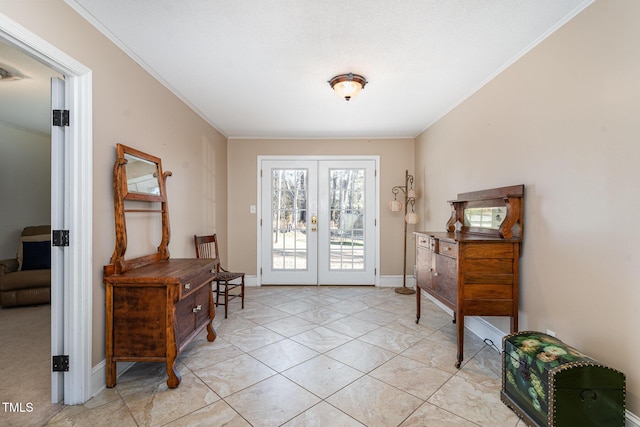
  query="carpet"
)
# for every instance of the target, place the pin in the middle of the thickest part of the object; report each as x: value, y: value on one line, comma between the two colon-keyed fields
x: 25, y: 366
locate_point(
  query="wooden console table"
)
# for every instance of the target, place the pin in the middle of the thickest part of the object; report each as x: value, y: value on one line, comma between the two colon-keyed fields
x: 472, y: 268
x: 154, y: 311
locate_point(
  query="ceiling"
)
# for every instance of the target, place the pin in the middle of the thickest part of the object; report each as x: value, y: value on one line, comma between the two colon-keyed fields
x: 259, y: 69
x: 26, y: 100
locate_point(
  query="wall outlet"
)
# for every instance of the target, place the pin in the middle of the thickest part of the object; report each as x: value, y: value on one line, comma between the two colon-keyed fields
x: 252, y: 209
x: 550, y: 332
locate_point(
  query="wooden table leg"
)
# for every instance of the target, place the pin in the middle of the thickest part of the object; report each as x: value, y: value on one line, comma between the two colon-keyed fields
x: 174, y: 376
x: 460, y: 327
x: 418, y: 293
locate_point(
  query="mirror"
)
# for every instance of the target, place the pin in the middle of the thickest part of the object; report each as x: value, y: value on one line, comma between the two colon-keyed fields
x: 141, y: 175
x: 485, y: 217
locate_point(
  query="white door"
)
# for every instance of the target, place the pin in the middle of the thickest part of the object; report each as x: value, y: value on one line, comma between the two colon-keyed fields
x: 318, y: 222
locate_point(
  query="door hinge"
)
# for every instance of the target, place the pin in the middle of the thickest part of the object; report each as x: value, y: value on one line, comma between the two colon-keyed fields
x: 375, y: 271
x: 261, y: 271
x: 61, y: 363
x: 60, y: 238
x: 61, y: 117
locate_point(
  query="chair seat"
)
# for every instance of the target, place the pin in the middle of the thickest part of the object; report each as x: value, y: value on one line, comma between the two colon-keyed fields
x: 228, y: 276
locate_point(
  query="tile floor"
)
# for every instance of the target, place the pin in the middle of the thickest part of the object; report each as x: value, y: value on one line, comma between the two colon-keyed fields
x: 314, y: 356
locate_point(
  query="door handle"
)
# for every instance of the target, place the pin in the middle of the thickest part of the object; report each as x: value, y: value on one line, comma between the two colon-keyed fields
x: 314, y: 221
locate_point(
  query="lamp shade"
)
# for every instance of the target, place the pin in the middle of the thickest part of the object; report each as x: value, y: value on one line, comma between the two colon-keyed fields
x: 411, y: 218
x: 395, y: 205
x: 348, y: 85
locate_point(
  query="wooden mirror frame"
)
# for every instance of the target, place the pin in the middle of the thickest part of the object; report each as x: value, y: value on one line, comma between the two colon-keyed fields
x: 120, y: 194
x: 122, y: 178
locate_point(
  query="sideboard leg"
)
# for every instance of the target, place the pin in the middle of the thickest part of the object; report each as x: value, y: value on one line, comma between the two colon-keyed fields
x: 211, y: 333
x: 111, y: 373
x: 460, y: 327
x: 174, y: 376
x: 417, y: 304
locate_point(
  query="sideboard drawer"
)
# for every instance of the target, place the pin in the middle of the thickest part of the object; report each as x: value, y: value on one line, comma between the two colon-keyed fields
x: 449, y: 249
x: 191, y: 283
x: 426, y: 242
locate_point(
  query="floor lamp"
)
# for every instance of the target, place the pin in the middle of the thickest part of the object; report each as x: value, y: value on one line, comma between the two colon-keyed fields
x: 409, y: 218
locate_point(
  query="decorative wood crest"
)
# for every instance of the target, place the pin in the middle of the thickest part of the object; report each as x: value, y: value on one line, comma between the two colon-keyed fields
x: 509, y: 200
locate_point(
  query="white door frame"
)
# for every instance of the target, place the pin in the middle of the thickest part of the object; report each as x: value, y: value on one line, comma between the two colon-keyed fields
x: 75, y: 294
x: 318, y: 158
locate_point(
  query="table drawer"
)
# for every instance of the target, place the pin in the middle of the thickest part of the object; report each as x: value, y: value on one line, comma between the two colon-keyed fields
x: 191, y: 283
x: 427, y: 242
x: 449, y: 249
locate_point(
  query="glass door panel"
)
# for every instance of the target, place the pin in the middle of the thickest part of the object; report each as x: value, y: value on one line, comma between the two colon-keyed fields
x: 289, y: 246
x: 346, y: 247
x: 346, y: 219
x: 318, y: 222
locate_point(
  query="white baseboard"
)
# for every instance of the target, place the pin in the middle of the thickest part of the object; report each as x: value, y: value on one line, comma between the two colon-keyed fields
x: 396, y: 281
x: 384, y: 281
x: 632, y: 420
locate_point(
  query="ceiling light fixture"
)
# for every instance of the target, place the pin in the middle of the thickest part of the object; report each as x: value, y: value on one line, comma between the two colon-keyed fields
x: 348, y: 85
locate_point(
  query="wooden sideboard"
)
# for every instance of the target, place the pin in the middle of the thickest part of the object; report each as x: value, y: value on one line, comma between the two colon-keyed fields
x: 154, y: 311
x: 155, y: 305
x: 472, y: 268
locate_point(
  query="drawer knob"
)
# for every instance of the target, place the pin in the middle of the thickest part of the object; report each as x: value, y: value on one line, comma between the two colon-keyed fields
x: 436, y: 274
x: 187, y: 286
x: 197, y: 308
x: 447, y: 248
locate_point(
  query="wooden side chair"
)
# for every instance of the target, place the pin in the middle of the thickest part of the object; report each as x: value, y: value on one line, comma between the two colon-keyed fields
x: 207, y: 247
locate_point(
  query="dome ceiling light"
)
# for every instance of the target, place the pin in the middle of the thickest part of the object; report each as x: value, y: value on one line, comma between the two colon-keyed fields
x: 348, y: 85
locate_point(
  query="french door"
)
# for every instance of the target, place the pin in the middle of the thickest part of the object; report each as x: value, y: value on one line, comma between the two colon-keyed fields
x: 318, y: 222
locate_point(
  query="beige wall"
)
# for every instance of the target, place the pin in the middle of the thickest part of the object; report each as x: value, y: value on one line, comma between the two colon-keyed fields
x: 396, y: 156
x: 25, y: 184
x: 564, y: 121
x: 131, y: 107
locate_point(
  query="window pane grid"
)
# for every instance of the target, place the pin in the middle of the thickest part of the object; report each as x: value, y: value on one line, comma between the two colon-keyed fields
x: 289, y: 212
x: 347, y: 219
